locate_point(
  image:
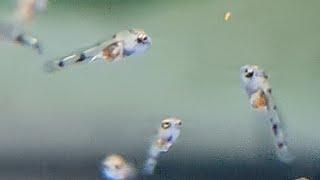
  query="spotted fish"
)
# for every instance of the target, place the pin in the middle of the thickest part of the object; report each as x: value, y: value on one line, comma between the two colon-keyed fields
x: 256, y: 85
x: 123, y: 44
x: 168, y: 134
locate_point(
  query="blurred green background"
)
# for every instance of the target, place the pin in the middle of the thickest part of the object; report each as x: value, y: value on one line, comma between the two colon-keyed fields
x: 59, y: 126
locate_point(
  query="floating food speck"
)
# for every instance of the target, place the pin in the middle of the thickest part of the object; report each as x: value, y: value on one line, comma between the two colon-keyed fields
x: 227, y: 16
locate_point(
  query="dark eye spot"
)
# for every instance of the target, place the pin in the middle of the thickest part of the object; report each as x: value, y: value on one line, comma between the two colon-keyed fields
x: 169, y: 139
x: 249, y: 75
x: 246, y: 70
x: 180, y: 123
x: 280, y: 145
x: 165, y: 125
x: 145, y: 38
x: 275, y: 129
x: 139, y: 40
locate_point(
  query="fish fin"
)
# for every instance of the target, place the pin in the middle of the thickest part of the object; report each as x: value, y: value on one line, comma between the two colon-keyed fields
x: 63, y: 63
x: 149, y: 166
x: 278, y: 131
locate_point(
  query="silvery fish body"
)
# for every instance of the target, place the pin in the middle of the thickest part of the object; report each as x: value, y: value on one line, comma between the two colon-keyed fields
x: 123, y: 44
x: 168, y: 134
x: 256, y: 85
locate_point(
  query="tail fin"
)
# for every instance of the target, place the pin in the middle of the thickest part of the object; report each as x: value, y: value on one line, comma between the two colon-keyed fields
x: 65, y: 62
x: 151, y: 161
x: 149, y: 166
x: 81, y: 56
x: 279, y: 134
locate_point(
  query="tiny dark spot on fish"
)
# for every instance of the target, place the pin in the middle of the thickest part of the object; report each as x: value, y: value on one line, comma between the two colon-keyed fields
x: 169, y: 139
x: 249, y: 75
x: 61, y: 64
x: 270, y: 91
x: 81, y: 58
x: 275, y: 129
x: 280, y: 145
x: 139, y: 40
x: 19, y: 38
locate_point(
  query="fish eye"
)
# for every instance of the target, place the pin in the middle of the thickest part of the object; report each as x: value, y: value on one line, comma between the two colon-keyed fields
x: 145, y: 38
x: 249, y: 74
x: 165, y: 125
x: 246, y: 70
x: 180, y: 123
x: 139, y: 40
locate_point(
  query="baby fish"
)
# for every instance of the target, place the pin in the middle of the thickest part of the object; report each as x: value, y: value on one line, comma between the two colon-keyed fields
x: 256, y: 85
x: 13, y: 33
x: 123, y: 44
x: 115, y: 167
x: 167, y: 135
x: 26, y: 9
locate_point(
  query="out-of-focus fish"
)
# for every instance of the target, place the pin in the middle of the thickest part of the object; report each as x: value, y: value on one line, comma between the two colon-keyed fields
x: 115, y: 167
x: 123, y: 44
x: 13, y: 31
x: 256, y: 85
x: 167, y: 135
x: 26, y: 9
x: 15, y: 34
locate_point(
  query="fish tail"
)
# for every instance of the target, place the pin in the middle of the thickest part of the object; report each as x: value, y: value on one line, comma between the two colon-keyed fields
x: 149, y: 166
x: 151, y: 161
x: 65, y: 62
x: 278, y: 132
